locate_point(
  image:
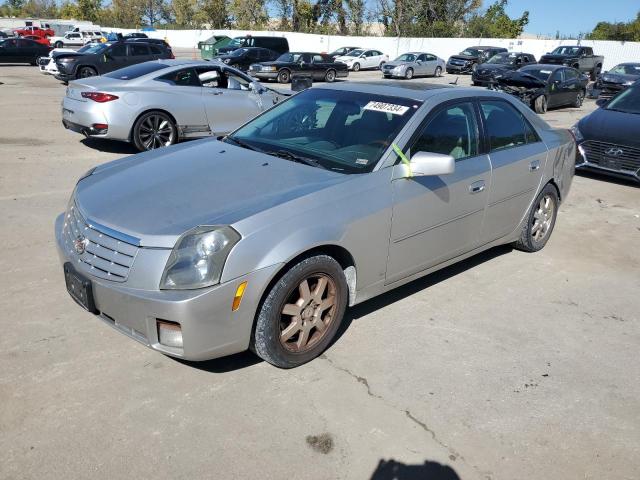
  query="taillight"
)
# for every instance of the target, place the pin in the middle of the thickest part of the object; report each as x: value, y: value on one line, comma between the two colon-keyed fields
x: 99, y: 96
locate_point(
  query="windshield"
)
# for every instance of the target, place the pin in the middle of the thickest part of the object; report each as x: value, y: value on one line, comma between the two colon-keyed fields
x: 407, y: 57
x: 239, y: 52
x: 540, y: 73
x: 566, y: 51
x: 628, y: 101
x: 471, y: 52
x: 503, y: 59
x: 95, y: 48
x: 343, y: 131
x: 626, y: 69
x: 135, y: 71
x: 289, y: 57
x: 354, y: 53
x: 238, y: 42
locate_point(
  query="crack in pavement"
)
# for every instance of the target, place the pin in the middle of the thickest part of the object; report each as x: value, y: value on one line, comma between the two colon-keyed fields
x: 453, y: 454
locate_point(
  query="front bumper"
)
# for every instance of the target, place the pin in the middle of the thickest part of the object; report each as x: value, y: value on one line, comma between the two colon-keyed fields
x: 264, y: 75
x: 209, y: 328
x: 596, y: 164
x: 458, y: 68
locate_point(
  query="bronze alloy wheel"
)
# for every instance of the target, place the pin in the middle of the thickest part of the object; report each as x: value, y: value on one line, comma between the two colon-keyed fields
x: 308, y: 313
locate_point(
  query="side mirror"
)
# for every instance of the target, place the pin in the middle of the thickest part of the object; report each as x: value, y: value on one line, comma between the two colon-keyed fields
x: 601, y: 102
x: 362, y: 56
x: 432, y: 164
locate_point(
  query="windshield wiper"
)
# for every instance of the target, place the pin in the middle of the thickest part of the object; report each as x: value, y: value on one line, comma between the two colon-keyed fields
x: 296, y: 158
x: 243, y: 144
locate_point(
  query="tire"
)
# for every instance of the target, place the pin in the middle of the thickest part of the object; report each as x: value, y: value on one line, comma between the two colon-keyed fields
x: 595, y: 72
x: 356, y: 67
x: 58, y: 44
x: 284, y: 76
x: 86, y: 72
x: 150, y: 131
x: 381, y: 65
x: 475, y: 84
x: 474, y: 67
x: 330, y: 76
x: 540, y: 104
x: 408, y: 74
x: 540, y: 221
x: 579, y: 99
x: 438, y: 72
x: 279, y: 338
x: 34, y: 62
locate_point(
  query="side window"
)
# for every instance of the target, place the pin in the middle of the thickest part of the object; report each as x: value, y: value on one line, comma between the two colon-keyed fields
x: 505, y: 125
x: 305, y: 58
x: 155, y: 50
x: 182, y: 78
x: 210, y: 77
x: 422, y: 58
x: 318, y: 59
x: 74, y: 36
x: 236, y: 82
x: 118, y: 50
x: 430, y: 58
x: 252, y: 55
x: 451, y: 131
x: 570, y: 74
x: 137, y: 49
x: 557, y: 76
x: 369, y: 53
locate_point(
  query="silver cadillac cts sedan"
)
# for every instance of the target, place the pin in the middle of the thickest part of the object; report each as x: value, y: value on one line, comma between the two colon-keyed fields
x: 336, y: 195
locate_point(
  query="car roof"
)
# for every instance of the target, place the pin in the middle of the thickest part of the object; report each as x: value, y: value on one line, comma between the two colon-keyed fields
x: 487, y: 47
x: 415, y: 91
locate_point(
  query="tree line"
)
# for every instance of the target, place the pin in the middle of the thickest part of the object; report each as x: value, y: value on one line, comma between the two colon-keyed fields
x: 621, y: 31
x: 419, y: 18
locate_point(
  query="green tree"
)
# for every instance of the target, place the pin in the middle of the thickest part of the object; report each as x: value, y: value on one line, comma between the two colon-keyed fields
x: 495, y: 23
x: 621, y: 31
x: 249, y: 14
x: 185, y: 13
x: 213, y: 13
x: 88, y: 9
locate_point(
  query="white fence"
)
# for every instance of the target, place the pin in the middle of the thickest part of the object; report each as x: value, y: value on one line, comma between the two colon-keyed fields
x: 614, y: 52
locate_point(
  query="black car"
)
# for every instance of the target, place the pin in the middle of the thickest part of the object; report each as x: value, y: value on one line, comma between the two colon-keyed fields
x: 608, y: 139
x: 615, y: 80
x: 341, y: 51
x: 243, y: 58
x: 544, y: 86
x: 469, y: 59
x: 105, y: 57
x: 500, y: 63
x: 317, y: 65
x: 276, y: 44
x: 21, y: 50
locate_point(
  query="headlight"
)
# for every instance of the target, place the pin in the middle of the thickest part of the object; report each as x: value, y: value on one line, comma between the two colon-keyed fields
x: 269, y: 69
x: 198, y: 258
x: 577, y: 133
x: 399, y: 68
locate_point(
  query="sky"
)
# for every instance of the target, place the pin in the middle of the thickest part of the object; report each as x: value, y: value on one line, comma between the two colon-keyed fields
x: 571, y: 17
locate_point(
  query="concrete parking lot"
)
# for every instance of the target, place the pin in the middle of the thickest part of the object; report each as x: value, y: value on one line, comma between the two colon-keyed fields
x: 507, y: 366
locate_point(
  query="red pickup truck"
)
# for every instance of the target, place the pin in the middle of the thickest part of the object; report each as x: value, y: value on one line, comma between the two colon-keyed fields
x: 37, y: 31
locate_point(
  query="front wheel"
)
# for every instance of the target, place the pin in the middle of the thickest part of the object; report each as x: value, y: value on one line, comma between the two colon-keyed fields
x: 540, y: 221
x: 154, y: 130
x: 284, y: 76
x: 408, y: 74
x: 579, y: 99
x: 86, y: 72
x: 540, y: 104
x: 438, y: 72
x: 330, y: 76
x: 356, y: 67
x: 594, y: 73
x: 58, y: 45
x: 302, y: 313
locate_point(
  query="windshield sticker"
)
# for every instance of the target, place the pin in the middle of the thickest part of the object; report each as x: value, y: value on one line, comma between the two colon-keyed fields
x: 547, y: 72
x: 386, y: 108
x: 361, y: 161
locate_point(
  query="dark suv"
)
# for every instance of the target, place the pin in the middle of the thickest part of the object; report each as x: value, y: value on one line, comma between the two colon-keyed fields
x: 106, y: 57
x: 468, y: 60
x: 279, y: 45
x: 243, y: 58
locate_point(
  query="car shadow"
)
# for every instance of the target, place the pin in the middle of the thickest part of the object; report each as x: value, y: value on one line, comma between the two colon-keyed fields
x: 608, y: 178
x: 234, y: 362
x: 411, y: 288
x: 393, y: 470
x: 109, y: 146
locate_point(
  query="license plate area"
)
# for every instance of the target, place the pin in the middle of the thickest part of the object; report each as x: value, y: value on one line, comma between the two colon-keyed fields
x: 80, y: 288
x: 611, y: 162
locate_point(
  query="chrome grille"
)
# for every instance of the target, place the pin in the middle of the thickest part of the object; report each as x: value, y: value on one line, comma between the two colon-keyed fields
x: 104, y: 255
x: 596, y: 153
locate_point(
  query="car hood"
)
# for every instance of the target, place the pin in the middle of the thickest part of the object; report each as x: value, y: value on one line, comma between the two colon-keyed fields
x: 276, y: 63
x: 157, y: 196
x: 618, y: 77
x: 345, y: 58
x: 463, y: 57
x: 521, y: 79
x: 67, y: 55
x: 611, y: 127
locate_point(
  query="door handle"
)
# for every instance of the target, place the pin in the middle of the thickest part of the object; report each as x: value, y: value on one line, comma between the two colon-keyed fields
x: 535, y: 165
x: 476, y: 187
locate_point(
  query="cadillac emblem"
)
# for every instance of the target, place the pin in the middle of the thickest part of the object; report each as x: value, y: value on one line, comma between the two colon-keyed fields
x: 80, y: 244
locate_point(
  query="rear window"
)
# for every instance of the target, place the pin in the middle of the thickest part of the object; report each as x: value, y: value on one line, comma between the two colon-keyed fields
x: 135, y: 71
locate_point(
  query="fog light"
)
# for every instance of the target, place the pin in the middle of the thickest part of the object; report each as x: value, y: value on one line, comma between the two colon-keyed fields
x: 169, y: 333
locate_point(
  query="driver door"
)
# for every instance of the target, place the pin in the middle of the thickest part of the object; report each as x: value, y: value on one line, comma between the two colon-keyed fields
x: 436, y: 218
x: 228, y: 99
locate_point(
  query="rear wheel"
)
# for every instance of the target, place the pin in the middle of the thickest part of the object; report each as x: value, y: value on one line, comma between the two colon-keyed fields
x: 58, y: 44
x: 408, y: 74
x: 356, y: 67
x: 579, y: 99
x: 540, y: 104
x: 438, y: 72
x: 540, y: 221
x: 85, y: 72
x: 284, y: 76
x: 154, y: 130
x: 330, y: 76
x: 302, y: 313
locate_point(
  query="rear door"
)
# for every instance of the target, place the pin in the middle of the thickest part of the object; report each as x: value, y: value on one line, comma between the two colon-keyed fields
x: 29, y: 49
x: 10, y: 51
x: 429, y: 63
x: 116, y: 56
x: 518, y: 158
x: 436, y: 218
x: 138, y: 53
x: 571, y: 86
